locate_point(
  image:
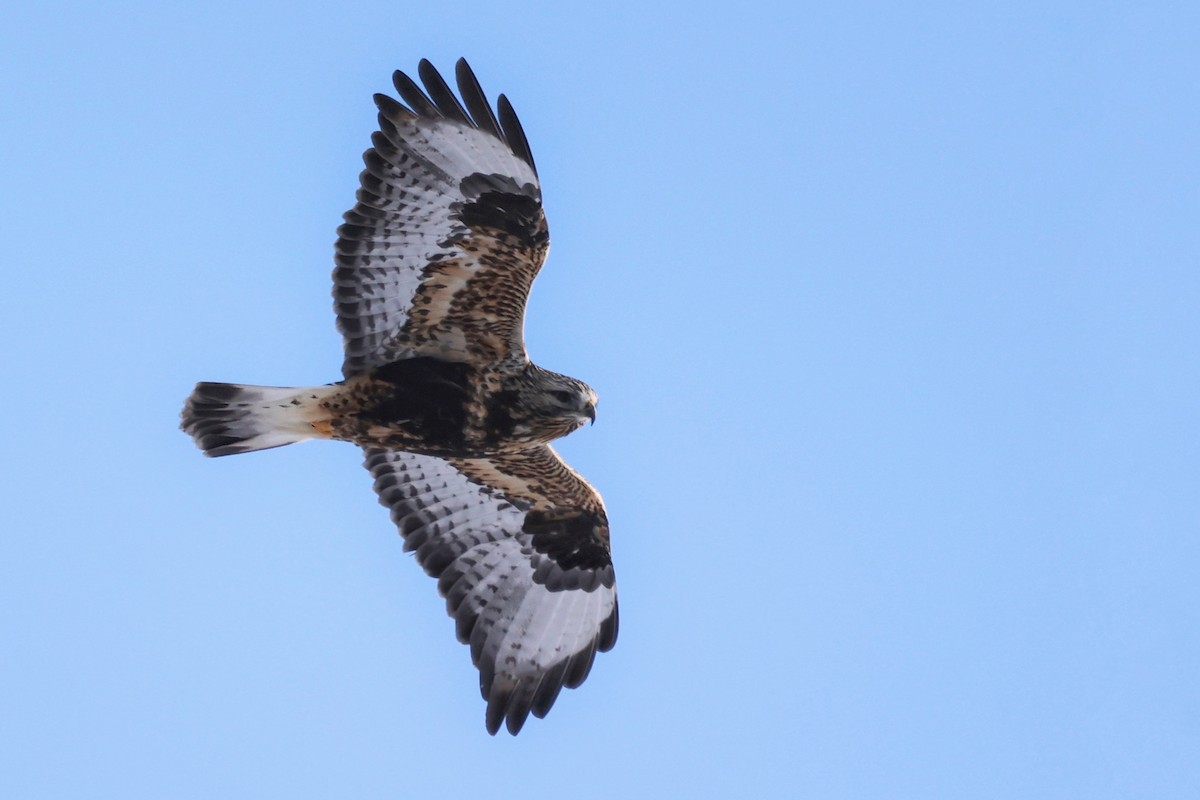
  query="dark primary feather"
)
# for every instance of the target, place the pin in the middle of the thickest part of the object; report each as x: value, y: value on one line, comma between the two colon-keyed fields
x: 441, y: 94
x: 514, y: 134
x: 476, y: 100
x: 411, y: 93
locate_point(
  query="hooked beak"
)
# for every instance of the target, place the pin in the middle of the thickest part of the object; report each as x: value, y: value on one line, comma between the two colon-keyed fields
x: 590, y: 411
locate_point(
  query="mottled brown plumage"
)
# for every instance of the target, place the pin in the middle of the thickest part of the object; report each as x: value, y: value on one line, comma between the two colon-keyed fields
x: 452, y: 408
x: 433, y: 270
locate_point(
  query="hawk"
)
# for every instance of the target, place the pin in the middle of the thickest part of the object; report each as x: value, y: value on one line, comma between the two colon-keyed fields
x: 433, y: 269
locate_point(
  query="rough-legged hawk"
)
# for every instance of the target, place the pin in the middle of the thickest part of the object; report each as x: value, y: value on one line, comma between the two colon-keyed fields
x: 434, y: 265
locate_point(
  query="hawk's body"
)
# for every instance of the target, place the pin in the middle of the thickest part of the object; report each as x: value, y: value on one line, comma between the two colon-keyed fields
x: 434, y: 266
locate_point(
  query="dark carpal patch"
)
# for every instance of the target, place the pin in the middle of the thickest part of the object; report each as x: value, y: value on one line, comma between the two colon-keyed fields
x: 572, y: 537
x: 500, y: 204
x: 428, y: 399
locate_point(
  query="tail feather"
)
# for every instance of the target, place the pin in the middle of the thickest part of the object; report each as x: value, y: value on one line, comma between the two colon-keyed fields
x: 229, y: 418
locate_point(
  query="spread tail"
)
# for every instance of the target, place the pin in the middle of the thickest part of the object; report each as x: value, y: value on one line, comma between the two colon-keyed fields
x: 229, y: 418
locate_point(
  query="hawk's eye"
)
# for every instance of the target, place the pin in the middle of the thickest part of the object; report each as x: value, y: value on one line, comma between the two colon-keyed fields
x: 566, y: 398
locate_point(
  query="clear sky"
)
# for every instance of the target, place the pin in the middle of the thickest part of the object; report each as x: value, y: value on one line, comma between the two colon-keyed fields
x: 894, y: 312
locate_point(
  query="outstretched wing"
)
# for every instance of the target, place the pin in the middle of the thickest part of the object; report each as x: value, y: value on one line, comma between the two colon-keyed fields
x: 519, y: 545
x: 438, y: 255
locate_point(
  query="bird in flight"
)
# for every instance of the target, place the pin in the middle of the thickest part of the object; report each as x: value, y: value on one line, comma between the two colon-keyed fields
x: 433, y: 268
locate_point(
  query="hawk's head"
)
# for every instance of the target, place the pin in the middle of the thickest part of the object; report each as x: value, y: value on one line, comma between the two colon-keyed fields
x: 554, y: 405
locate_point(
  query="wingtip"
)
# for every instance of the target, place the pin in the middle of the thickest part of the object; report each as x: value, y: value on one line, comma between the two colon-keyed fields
x: 496, y: 706
x: 385, y: 102
x: 508, y: 703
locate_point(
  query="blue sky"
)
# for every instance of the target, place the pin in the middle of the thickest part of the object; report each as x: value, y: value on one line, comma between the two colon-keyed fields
x: 894, y: 313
